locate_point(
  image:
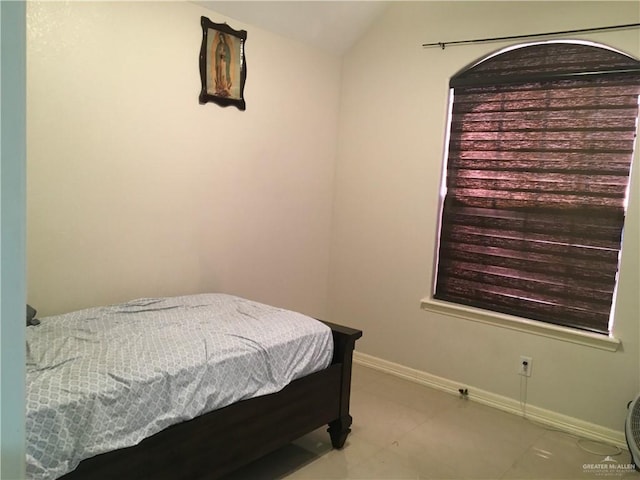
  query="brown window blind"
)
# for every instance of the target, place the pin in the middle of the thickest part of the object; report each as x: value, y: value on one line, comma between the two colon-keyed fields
x: 541, y: 143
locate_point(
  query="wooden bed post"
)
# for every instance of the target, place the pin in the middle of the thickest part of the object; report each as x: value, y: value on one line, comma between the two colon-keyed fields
x: 344, y: 340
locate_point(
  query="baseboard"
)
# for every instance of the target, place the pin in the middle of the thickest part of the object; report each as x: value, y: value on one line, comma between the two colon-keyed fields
x: 548, y: 418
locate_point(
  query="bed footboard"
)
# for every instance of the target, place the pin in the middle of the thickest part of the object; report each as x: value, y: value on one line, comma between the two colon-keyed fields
x: 221, y: 441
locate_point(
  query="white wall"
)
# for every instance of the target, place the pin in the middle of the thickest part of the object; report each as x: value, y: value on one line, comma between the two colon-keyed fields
x: 134, y: 189
x: 391, y: 144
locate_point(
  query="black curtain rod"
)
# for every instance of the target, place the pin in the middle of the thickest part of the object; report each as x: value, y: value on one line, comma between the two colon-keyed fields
x: 531, y: 35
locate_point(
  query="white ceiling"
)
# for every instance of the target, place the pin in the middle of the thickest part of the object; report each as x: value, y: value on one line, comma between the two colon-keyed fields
x: 331, y: 25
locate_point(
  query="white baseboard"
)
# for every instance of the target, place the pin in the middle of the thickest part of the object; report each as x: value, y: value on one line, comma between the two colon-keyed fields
x: 549, y: 418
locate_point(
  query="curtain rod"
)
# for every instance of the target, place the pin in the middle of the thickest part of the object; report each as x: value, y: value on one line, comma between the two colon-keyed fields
x: 530, y: 35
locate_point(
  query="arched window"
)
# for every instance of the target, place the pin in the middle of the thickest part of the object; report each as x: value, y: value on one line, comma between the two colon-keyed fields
x: 540, y: 147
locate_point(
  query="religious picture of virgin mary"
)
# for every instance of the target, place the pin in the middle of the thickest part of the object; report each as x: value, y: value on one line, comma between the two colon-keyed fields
x: 224, y: 62
x: 223, y: 67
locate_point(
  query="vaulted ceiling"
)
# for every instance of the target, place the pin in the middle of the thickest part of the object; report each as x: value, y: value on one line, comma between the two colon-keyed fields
x: 331, y: 25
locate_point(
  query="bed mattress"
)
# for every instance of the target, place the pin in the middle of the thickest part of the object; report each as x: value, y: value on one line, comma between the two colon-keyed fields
x: 105, y: 378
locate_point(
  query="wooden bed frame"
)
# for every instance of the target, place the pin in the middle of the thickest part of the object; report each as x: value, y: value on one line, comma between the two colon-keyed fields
x: 221, y: 441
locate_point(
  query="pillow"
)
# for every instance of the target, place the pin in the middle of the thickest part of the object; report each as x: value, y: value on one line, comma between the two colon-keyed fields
x: 31, y: 313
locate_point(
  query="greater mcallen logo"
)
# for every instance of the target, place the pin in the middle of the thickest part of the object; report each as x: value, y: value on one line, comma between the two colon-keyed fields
x: 609, y: 466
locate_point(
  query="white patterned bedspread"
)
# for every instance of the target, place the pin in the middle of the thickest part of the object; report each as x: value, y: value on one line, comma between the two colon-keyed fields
x: 105, y: 378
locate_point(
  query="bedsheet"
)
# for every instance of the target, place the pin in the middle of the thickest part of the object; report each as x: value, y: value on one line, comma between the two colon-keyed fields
x: 105, y: 378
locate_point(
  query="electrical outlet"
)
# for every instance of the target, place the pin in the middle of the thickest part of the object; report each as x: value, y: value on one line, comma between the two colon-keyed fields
x: 524, y: 367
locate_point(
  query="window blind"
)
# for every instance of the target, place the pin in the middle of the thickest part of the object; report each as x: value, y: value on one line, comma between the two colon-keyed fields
x: 541, y: 142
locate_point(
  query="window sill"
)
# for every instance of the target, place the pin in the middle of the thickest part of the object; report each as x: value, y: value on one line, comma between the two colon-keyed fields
x: 557, y: 332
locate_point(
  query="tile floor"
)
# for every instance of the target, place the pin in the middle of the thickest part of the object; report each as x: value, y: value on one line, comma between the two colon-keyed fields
x: 403, y: 430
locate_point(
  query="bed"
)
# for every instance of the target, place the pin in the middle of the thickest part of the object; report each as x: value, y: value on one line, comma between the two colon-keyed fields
x: 142, y: 416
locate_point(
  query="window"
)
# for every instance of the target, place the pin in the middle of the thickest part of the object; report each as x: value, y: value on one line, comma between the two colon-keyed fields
x: 540, y: 146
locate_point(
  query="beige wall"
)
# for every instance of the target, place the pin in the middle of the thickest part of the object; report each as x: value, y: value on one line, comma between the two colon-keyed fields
x: 391, y: 143
x: 134, y: 189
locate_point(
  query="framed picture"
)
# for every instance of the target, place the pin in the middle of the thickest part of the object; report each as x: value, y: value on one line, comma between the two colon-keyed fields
x: 223, y: 69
